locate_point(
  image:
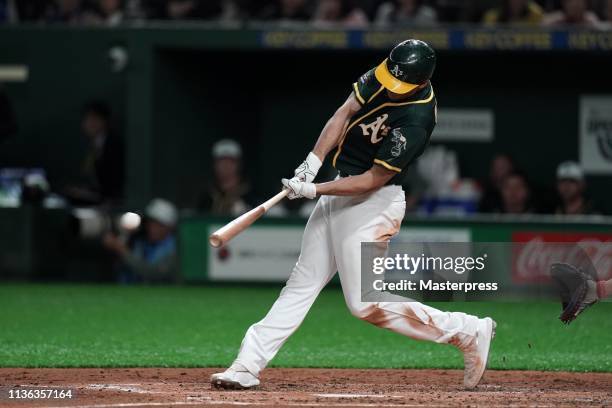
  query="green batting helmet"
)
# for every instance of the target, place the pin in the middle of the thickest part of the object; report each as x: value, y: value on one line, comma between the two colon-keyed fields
x: 410, y: 64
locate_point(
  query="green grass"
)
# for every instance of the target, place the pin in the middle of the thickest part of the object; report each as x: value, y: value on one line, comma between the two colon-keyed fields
x: 110, y: 326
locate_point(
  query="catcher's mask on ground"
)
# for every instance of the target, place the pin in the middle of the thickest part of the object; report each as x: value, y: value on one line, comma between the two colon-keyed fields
x: 410, y: 64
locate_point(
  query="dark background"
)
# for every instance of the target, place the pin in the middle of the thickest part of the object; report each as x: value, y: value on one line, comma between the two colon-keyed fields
x: 185, y: 89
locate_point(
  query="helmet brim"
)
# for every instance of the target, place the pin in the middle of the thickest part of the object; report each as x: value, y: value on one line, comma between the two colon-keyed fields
x: 390, y: 82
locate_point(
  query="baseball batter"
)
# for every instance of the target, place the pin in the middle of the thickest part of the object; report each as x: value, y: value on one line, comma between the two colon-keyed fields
x: 383, y: 126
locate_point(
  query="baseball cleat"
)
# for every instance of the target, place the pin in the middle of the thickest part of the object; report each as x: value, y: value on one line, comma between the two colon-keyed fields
x: 234, y: 378
x: 476, y: 352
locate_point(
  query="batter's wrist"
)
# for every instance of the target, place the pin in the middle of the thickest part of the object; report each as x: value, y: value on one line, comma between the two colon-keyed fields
x: 314, y: 163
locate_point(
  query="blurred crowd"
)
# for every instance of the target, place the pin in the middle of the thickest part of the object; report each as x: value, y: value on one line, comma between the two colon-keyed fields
x: 433, y: 186
x: 316, y: 13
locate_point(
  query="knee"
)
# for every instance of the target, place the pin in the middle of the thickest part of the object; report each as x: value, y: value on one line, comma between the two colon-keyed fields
x: 361, y: 310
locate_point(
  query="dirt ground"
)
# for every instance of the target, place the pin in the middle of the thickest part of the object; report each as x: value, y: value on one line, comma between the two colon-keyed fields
x: 152, y: 387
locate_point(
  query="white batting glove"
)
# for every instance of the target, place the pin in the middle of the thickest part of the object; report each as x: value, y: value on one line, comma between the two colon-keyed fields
x: 298, y: 188
x: 307, y: 171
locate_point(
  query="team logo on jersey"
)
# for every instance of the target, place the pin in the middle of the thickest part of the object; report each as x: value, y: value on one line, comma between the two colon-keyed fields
x: 373, y: 128
x: 397, y: 71
x: 399, y: 143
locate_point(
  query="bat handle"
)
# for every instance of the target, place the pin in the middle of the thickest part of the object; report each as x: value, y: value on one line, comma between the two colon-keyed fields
x: 275, y: 200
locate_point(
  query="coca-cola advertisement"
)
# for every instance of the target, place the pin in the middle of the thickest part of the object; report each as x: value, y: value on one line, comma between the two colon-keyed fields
x: 534, y: 252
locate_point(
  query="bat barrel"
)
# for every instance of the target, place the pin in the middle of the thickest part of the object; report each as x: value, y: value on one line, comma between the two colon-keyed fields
x: 222, y: 236
x: 215, y: 241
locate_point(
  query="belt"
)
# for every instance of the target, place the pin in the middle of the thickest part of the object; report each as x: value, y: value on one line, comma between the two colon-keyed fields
x: 342, y: 174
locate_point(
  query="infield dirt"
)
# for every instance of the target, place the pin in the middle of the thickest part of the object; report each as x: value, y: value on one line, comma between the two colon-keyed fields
x: 152, y: 387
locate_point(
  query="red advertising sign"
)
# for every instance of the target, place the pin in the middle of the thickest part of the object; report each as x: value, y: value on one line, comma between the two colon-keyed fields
x: 534, y: 252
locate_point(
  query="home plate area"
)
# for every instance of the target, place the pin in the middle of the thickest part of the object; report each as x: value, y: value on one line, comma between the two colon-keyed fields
x: 152, y: 387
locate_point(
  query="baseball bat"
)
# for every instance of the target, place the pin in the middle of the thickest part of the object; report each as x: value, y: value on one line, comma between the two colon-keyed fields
x: 224, y: 234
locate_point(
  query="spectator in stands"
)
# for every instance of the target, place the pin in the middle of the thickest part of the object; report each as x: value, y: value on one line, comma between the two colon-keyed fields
x: 149, y: 256
x: 606, y: 12
x: 191, y: 9
x: 229, y: 194
x: 571, y: 188
x: 406, y: 12
x: 102, y: 171
x: 65, y: 11
x: 287, y: 11
x: 516, y: 195
x: 501, y: 166
x: 8, y: 11
x: 515, y: 12
x: 339, y: 13
x: 573, y: 12
x: 107, y: 12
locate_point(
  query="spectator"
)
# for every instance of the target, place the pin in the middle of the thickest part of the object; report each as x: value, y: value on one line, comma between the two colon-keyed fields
x: 339, y: 12
x: 501, y: 166
x: 107, y: 12
x: 102, y: 171
x: 287, y: 11
x: 8, y: 11
x: 191, y: 9
x: 229, y: 194
x: 606, y: 12
x: 65, y: 11
x: 571, y: 189
x: 182, y: 10
x: 149, y: 257
x: 573, y: 12
x: 516, y: 195
x: 408, y: 12
x: 515, y: 12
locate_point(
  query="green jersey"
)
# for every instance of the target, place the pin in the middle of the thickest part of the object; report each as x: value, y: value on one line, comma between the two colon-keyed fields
x: 385, y: 132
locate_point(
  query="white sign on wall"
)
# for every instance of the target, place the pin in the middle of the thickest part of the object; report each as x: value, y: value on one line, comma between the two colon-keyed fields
x: 415, y: 235
x: 265, y: 253
x: 464, y: 125
x: 596, y: 134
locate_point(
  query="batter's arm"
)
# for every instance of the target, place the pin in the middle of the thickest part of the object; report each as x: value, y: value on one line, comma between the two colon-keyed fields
x: 366, y: 182
x: 334, y: 128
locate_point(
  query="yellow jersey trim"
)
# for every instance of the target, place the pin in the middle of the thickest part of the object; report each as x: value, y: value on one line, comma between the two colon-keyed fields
x: 376, y: 93
x: 358, y: 95
x: 350, y: 126
x: 387, y: 165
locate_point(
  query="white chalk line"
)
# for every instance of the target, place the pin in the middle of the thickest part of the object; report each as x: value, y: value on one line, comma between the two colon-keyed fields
x: 130, y: 404
x: 356, y: 396
x: 242, y: 403
x: 131, y: 388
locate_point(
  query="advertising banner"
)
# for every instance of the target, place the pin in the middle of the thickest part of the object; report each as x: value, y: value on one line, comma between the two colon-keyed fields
x: 261, y: 253
x: 596, y: 134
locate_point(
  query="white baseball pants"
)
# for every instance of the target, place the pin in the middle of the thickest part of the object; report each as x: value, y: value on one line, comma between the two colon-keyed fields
x: 332, y: 242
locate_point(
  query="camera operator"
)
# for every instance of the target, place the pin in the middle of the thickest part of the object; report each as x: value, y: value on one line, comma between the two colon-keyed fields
x: 150, y: 255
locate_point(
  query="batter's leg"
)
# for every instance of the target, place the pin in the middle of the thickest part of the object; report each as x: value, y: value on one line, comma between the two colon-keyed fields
x: 376, y: 220
x: 313, y: 270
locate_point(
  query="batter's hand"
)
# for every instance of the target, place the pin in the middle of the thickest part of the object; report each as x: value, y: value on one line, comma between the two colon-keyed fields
x: 307, y: 171
x: 299, y: 189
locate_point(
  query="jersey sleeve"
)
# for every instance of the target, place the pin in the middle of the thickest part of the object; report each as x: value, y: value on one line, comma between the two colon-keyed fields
x: 401, y: 147
x: 366, y: 87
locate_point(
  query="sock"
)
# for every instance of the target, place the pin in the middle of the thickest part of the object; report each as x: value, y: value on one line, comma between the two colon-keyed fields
x: 601, y: 289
